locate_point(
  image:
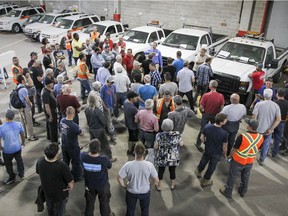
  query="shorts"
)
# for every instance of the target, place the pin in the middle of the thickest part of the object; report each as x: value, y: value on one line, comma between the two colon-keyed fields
x: 133, y: 135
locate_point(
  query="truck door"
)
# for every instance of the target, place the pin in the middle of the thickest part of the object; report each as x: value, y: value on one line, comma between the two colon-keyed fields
x: 268, y: 60
x: 153, y: 38
x: 204, y: 43
x: 120, y: 31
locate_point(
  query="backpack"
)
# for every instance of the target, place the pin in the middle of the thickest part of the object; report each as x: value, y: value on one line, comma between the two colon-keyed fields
x: 15, y: 100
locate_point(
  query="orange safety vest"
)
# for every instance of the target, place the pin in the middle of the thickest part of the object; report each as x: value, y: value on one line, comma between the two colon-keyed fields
x: 248, y: 149
x: 82, y: 69
x: 159, y: 107
x: 67, y: 43
x: 94, y: 35
x: 14, y: 75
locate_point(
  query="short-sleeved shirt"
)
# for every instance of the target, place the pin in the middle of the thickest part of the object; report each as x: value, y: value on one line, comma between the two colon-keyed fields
x: 138, y: 174
x: 234, y: 112
x: 23, y: 93
x: 204, y: 73
x: 108, y: 95
x: 49, y: 98
x: 258, y: 79
x: 178, y: 64
x: 185, y: 77
x: 95, y: 170
x: 212, y: 102
x: 135, y: 86
x: 215, y: 138
x: 147, y: 121
x: 102, y: 75
x: 47, y: 61
x: 74, y: 45
x: 10, y: 132
x: 199, y: 58
x: 36, y: 73
x: 69, y: 133
x: 146, y: 92
x: 283, y: 104
x: 145, y: 66
x: 267, y: 112
x: 169, y: 86
x: 65, y: 101
x: 128, y: 61
x: 55, y: 177
x: 171, y: 69
x: 121, y: 81
x: 129, y: 114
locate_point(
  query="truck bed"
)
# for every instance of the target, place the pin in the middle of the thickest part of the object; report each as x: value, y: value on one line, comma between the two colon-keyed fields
x: 217, y: 37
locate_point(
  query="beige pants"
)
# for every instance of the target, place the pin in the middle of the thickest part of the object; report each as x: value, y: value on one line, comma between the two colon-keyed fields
x: 26, y: 120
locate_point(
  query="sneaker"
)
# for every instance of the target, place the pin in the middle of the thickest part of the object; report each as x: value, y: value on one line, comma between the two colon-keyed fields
x: 33, y: 138
x: 198, y: 173
x: 113, y: 159
x: 261, y: 163
x: 10, y: 181
x: 206, y: 182
x: 22, y: 177
x: 222, y: 191
x: 241, y: 192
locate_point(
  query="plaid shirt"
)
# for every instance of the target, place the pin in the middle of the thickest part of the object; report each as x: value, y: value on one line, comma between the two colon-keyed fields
x: 203, y: 75
x: 155, y: 78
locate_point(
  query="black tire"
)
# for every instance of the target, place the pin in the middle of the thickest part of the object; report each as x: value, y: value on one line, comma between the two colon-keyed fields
x: 16, y: 28
x: 62, y: 44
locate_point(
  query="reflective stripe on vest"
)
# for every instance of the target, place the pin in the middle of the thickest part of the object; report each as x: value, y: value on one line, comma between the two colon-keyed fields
x: 94, y: 35
x: 248, y: 148
x: 15, y: 75
x: 67, y: 43
x: 82, y: 69
x: 159, y: 107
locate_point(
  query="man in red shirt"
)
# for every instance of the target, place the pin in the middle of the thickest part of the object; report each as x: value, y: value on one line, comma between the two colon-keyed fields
x: 122, y: 45
x: 257, y: 77
x: 128, y: 62
x: 211, y: 104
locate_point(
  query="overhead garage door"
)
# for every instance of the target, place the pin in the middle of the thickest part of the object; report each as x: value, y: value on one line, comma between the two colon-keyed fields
x: 277, y: 23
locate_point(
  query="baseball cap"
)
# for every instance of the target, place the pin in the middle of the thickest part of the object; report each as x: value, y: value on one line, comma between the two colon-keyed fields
x: 178, y: 99
x: 110, y: 79
x: 259, y: 65
x: 131, y: 94
x: 10, y: 114
x: 33, y: 53
x: 167, y: 93
x: 252, y: 123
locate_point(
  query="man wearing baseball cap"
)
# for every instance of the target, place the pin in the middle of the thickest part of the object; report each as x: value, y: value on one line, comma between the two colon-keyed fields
x: 243, y: 155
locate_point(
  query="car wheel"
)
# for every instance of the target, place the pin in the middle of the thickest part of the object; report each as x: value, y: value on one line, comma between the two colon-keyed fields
x: 62, y: 44
x: 16, y: 28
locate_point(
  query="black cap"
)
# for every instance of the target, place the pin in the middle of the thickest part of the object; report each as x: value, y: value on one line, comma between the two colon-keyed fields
x: 252, y: 123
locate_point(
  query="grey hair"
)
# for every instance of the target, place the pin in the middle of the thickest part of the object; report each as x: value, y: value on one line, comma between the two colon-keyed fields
x: 213, y: 83
x: 268, y: 93
x: 65, y: 87
x: 93, y: 100
x: 167, y: 125
x: 48, y: 71
x: 118, y: 58
x: 149, y: 104
x: 60, y: 78
x: 96, y: 85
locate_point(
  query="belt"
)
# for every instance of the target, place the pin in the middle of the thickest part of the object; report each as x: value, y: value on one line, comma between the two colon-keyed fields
x: 146, y: 131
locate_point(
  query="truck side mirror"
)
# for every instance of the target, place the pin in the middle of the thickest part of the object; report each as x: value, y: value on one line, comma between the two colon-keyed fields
x: 274, y: 63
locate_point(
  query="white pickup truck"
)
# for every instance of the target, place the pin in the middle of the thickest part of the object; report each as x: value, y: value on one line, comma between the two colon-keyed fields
x: 238, y: 58
x: 189, y: 41
x: 114, y: 28
x: 139, y: 39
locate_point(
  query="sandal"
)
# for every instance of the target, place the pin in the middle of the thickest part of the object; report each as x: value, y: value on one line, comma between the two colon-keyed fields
x: 173, y: 185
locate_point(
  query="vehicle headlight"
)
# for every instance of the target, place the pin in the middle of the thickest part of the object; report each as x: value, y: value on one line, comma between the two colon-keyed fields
x: 243, y: 86
x: 53, y: 36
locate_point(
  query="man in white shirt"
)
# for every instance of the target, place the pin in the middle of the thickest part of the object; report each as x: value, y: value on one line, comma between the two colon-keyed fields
x: 186, y: 79
x: 200, y: 59
x: 118, y: 64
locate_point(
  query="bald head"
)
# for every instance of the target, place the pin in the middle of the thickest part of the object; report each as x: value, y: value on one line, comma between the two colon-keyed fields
x: 235, y: 98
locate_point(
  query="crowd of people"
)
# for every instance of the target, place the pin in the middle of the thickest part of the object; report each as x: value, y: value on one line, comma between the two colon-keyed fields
x: 150, y: 95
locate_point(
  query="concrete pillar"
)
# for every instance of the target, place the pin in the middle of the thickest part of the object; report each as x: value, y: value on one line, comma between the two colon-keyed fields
x: 246, y: 16
x: 117, y: 7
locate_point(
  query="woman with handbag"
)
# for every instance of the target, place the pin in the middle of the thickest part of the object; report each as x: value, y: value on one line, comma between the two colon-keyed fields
x: 167, y: 144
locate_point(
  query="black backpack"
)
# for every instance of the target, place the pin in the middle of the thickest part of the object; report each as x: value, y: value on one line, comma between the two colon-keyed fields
x: 15, y: 100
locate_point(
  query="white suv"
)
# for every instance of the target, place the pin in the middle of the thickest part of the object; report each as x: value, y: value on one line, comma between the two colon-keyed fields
x: 56, y: 34
x: 14, y: 20
x: 6, y: 8
x: 33, y: 30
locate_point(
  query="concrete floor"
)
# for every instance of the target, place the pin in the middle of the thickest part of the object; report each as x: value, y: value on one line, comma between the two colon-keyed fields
x: 267, y: 194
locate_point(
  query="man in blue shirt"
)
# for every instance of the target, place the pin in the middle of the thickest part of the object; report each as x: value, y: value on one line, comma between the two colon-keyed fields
x: 96, y: 168
x: 157, y: 58
x: 70, y: 146
x: 97, y: 61
x: 10, y: 132
x: 108, y: 95
x: 103, y: 73
x: 146, y: 91
x: 178, y: 63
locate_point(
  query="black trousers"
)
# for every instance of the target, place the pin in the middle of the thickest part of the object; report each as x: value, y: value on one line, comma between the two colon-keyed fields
x: 100, y: 134
x: 104, y: 196
x: 189, y: 95
x: 8, y: 158
x: 38, y: 100
x: 71, y: 154
x: 232, y: 129
x: 52, y: 128
x: 206, y: 118
x: 172, y: 171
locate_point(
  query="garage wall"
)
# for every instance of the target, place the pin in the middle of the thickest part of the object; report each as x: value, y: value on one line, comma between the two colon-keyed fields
x: 257, y: 16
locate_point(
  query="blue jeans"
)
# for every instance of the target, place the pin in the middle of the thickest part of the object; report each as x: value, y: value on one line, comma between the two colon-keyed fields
x: 70, y: 53
x: 265, y: 147
x: 206, y: 118
x: 85, y: 86
x: 213, y: 161
x: 56, y: 208
x: 234, y: 170
x: 278, y: 132
x: 131, y: 201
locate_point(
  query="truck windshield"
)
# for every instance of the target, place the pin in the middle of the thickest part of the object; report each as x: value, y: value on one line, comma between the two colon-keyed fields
x: 181, y: 41
x: 136, y: 36
x: 14, y: 13
x: 100, y: 29
x: 47, y: 19
x: 244, y: 53
x: 65, y: 24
